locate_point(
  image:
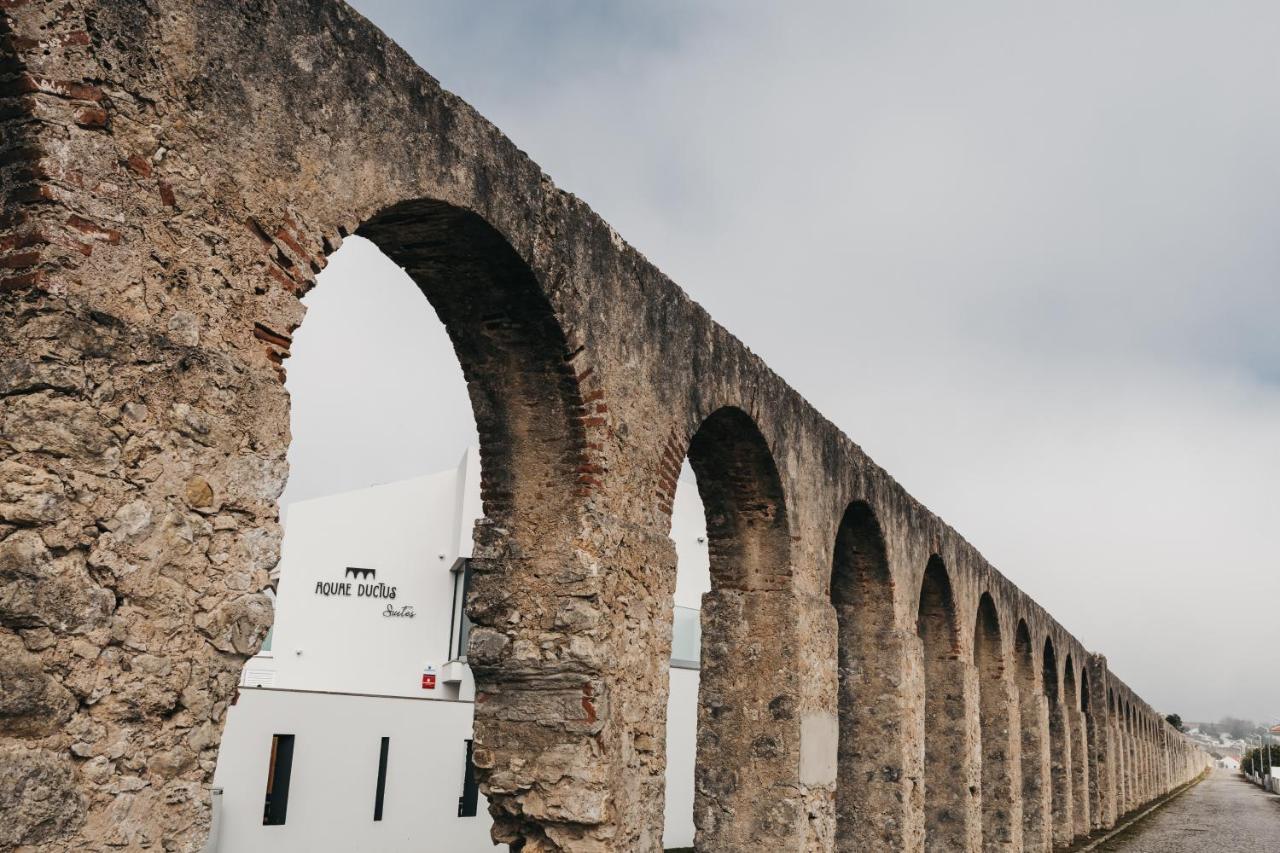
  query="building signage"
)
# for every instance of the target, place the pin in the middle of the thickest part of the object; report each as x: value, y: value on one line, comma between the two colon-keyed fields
x: 359, y: 583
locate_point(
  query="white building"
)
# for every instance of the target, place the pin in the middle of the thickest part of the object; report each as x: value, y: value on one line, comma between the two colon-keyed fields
x: 352, y: 727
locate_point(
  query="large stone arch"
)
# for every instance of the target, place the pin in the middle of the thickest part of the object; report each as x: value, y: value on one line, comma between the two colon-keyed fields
x: 1136, y: 797
x: 1143, y: 761
x: 1073, y: 700
x: 1059, y: 746
x: 748, y: 536
x: 951, y: 815
x: 1102, y: 781
x: 1122, y: 726
x: 1037, y: 817
x: 748, y: 739
x: 1148, y: 760
x: 869, y: 783
x: 1123, y: 787
x: 530, y: 418
x: 999, y: 730
x: 1144, y: 741
x: 1120, y: 764
x: 1148, y: 753
x: 514, y: 355
x: 1126, y: 748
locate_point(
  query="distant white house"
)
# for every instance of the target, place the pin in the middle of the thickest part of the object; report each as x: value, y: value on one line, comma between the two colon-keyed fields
x: 1228, y: 762
x: 352, y: 727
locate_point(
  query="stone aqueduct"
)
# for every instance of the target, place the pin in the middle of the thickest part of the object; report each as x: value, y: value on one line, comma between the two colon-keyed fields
x: 175, y: 173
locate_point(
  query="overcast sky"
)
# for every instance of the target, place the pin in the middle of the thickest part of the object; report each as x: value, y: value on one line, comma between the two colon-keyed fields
x: 1025, y: 254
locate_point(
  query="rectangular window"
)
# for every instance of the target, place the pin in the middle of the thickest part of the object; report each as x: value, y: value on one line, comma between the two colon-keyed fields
x: 686, y: 637
x: 281, y: 765
x: 460, y: 626
x: 470, y: 798
x: 382, y: 778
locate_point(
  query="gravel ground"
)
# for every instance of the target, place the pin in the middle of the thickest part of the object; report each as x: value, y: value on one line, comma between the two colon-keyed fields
x: 1223, y: 814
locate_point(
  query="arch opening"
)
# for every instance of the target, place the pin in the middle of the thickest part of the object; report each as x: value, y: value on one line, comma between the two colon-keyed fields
x: 1036, y: 817
x: 747, y: 739
x: 515, y: 358
x: 1139, y: 771
x: 1095, y: 754
x: 1121, y: 727
x: 869, y: 782
x: 747, y: 531
x: 1001, y: 807
x: 514, y: 495
x: 523, y: 382
x: 1148, y: 760
x: 1148, y: 749
x: 1132, y: 777
x: 1059, y: 750
x: 1079, y: 750
x: 692, y: 581
x: 950, y: 780
x: 1119, y: 761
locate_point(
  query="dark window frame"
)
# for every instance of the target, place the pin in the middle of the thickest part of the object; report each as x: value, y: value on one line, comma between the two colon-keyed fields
x: 469, y: 802
x: 380, y: 792
x: 275, y: 806
x: 459, y: 622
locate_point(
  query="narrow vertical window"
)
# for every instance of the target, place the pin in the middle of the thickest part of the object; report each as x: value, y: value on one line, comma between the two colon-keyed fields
x: 278, y: 770
x: 382, y: 778
x: 460, y: 623
x: 470, y: 788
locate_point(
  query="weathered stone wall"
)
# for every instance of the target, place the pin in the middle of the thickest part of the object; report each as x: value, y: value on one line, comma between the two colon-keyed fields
x: 175, y: 174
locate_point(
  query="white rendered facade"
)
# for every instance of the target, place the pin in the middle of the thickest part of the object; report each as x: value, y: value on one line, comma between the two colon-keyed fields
x: 349, y: 664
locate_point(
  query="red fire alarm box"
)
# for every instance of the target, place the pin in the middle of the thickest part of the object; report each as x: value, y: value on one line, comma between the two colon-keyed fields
x: 429, y: 679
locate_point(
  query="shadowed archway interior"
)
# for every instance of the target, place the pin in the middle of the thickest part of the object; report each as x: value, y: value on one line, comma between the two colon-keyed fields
x: 1033, y: 710
x: 514, y: 355
x: 998, y: 727
x: 1079, y: 751
x: 744, y: 742
x: 1059, y: 749
x: 949, y: 785
x: 870, y: 653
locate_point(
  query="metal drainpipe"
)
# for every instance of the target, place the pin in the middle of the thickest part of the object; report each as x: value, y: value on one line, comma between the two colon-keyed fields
x: 215, y: 825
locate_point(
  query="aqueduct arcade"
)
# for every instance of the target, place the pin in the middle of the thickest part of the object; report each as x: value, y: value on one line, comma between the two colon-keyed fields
x: 175, y: 174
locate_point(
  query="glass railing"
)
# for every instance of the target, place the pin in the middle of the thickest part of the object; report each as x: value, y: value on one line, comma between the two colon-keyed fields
x: 686, y: 637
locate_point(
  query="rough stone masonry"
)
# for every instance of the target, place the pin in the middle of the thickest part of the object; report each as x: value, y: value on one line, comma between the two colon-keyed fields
x: 175, y: 174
